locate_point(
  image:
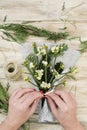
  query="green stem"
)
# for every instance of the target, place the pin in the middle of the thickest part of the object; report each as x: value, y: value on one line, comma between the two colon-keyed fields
x: 53, y: 68
x: 33, y: 83
x: 51, y: 79
x: 59, y: 78
x: 27, y: 73
x: 45, y: 74
x: 54, y: 61
x: 46, y: 67
x: 33, y: 75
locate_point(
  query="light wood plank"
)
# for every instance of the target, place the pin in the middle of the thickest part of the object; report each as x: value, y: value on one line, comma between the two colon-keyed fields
x: 39, y: 10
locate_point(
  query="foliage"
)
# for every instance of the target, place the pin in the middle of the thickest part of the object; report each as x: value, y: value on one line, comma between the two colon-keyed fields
x: 4, y: 97
x: 44, y: 68
x: 20, y: 32
x: 83, y: 46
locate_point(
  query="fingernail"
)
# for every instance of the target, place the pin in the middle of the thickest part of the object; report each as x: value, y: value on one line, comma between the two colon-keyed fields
x: 34, y: 101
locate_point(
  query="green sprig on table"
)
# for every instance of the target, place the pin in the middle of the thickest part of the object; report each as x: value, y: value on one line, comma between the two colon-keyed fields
x: 83, y: 46
x: 20, y: 32
x: 4, y: 97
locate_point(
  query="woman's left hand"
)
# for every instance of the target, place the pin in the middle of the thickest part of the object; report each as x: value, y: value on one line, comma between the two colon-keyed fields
x: 22, y: 105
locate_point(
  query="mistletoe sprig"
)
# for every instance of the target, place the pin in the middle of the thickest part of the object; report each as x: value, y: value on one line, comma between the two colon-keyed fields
x: 42, y: 65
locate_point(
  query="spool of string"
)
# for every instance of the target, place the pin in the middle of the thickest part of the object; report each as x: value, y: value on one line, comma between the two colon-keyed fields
x: 12, y: 71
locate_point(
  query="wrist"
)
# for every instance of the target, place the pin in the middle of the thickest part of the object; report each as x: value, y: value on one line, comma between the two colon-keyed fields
x: 74, y: 126
x: 9, y: 125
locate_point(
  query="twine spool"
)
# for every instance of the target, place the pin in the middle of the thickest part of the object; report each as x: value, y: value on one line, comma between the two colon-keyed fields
x: 12, y: 71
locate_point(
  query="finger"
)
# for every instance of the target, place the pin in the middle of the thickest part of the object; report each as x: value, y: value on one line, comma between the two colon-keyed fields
x: 58, y: 101
x: 22, y: 99
x: 14, y: 93
x: 53, y: 106
x: 31, y: 97
x: 33, y: 106
x: 22, y: 92
x: 65, y: 96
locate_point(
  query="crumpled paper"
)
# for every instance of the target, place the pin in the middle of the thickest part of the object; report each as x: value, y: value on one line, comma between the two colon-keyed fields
x: 69, y: 59
x: 45, y: 114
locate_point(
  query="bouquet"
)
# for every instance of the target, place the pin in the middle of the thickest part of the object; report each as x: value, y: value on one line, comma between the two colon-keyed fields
x: 47, y: 68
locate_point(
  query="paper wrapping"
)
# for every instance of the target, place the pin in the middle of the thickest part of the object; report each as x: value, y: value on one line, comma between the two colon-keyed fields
x: 45, y: 114
x: 69, y: 59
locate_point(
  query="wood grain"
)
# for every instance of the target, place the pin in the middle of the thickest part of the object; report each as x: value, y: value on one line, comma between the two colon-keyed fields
x: 39, y: 10
x: 47, y: 14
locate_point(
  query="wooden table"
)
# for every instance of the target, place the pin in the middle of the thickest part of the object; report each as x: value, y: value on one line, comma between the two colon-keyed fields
x: 49, y: 14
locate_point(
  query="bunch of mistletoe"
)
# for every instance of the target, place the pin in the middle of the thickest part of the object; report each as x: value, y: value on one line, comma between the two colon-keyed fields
x: 44, y: 71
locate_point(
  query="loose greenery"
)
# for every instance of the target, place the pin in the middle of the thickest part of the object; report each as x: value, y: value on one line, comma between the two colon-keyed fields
x: 4, y: 97
x: 83, y: 46
x: 20, y: 32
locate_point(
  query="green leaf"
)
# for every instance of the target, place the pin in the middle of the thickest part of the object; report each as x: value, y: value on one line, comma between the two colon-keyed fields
x: 35, y: 48
x: 83, y: 46
x: 62, y: 49
x: 4, y: 97
x: 3, y: 93
x: 59, y: 67
x: 33, y: 58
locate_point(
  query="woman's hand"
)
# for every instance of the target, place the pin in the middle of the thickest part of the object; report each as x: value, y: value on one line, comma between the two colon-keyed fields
x: 63, y: 107
x: 22, y: 105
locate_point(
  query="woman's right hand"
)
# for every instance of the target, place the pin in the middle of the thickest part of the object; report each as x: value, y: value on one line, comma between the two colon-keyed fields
x: 63, y: 107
